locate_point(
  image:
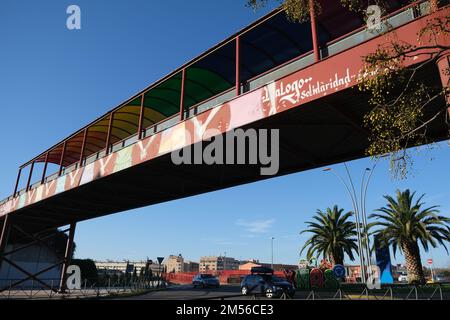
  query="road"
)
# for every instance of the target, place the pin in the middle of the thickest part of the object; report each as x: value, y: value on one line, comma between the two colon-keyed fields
x: 187, y: 292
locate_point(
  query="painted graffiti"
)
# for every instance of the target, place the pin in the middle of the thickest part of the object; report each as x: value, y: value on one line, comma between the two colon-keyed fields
x: 298, y: 90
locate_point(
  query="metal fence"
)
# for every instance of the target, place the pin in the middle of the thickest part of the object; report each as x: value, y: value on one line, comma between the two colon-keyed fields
x: 87, y: 290
x: 407, y: 292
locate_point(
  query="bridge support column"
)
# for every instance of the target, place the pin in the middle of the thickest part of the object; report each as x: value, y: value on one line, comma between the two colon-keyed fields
x: 67, y: 258
x: 443, y: 64
x: 4, y: 235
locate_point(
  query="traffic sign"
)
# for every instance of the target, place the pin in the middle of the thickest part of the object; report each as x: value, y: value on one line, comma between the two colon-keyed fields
x: 430, y: 261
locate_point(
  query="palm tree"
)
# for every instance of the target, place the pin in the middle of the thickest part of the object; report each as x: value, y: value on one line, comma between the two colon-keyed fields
x: 404, y: 224
x: 333, y: 235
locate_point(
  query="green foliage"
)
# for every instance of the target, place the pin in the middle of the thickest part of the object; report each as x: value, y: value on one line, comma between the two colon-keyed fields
x: 296, y: 10
x: 403, y: 224
x: 399, y: 97
x: 332, y: 235
x: 397, y: 119
x: 299, y: 10
x: 88, y: 270
x: 404, y: 221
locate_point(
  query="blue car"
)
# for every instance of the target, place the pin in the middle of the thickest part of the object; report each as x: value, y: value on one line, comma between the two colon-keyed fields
x: 266, y: 284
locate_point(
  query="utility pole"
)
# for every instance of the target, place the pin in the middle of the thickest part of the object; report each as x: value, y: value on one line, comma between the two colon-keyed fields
x: 272, y: 249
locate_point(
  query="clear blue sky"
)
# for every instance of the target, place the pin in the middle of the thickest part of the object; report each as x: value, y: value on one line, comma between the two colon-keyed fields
x: 53, y: 81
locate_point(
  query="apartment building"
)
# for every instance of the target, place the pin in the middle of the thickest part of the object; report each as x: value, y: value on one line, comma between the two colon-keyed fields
x: 174, y: 264
x: 214, y: 263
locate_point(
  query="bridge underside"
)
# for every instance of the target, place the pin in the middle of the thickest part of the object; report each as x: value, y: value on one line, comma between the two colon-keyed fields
x: 317, y: 134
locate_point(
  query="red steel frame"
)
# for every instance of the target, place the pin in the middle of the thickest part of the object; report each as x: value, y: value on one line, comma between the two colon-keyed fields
x: 108, y: 137
x: 238, y: 65
x: 29, y: 176
x: 141, y: 118
x: 83, y: 146
x: 61, y: 161
x: 171, y: 74
x: 45, y: 169
x: 183, y: 80
x: 315, y: 39
x: 17, y: 182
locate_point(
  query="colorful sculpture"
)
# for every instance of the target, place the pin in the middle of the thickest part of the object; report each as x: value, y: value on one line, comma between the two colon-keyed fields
x: 325, y: 277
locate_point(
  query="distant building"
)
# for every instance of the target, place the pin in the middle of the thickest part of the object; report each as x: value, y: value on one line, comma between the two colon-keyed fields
x: 191, y: 266
x: 120, y: 267
x: 174, y: 264
x: 248, y: 266
x: 220, y: 263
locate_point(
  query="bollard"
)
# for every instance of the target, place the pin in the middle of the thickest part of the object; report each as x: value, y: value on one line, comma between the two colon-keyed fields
x: 51, y: 289
x: 9, y: 291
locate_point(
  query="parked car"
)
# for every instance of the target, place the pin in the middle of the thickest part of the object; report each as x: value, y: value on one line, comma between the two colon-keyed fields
x: 437, y: 279
x: 403, y: 278
x: 205, y: 280
x: 266, y: 284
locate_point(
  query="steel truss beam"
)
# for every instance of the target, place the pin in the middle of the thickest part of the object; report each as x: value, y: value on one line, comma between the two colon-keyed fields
x: 8, y: 227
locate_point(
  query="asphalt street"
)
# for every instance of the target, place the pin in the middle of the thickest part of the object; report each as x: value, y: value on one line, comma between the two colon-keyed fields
x: 229, y: 292
x: 188, y: 292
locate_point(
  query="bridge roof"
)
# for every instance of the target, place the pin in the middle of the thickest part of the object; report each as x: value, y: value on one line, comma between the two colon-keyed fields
x: 264, y: 45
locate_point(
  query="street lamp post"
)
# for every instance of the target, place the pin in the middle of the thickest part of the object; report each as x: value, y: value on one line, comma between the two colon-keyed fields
x: 272, y: 249
x: 364, y: 187
x: 358, y: 232
x: 359, y: 207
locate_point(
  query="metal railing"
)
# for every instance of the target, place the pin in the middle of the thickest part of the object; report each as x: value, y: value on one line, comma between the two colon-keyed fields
x: 87, y: 290
x: 406, y: 292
